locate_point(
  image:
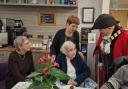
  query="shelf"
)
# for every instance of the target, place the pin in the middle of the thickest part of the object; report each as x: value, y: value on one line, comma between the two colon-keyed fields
x: 42, y: 5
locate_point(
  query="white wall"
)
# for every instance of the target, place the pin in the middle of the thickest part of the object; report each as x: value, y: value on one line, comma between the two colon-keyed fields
x: 30, y: 17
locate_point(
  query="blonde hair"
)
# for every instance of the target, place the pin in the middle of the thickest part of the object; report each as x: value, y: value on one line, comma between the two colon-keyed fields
x: 65, y: 46
x: 73, y: 19
x: 19, y: 41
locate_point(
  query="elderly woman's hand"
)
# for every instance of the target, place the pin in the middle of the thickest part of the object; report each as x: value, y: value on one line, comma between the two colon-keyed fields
x: 72, y: 82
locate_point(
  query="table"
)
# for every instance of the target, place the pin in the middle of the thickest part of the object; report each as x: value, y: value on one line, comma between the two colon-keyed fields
x: 25, y: 85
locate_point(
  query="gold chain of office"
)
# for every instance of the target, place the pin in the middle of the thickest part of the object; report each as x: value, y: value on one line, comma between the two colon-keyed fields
x: 105, y: 41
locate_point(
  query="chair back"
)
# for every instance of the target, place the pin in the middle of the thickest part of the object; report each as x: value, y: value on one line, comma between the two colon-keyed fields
x: 3, y: 69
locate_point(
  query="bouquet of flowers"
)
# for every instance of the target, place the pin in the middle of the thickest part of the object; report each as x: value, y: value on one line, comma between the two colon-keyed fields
x: 46, y: 76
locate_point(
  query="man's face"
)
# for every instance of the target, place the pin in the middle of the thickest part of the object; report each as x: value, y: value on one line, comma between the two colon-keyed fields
x: 107, y: 31
x: 72, y: 27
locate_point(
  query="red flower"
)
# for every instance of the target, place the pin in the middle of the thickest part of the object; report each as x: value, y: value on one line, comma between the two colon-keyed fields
x: 46, y: 71
x: 45, y: 58
x: 56, y: 64
x: 48, y: 59
x: 40, y: 61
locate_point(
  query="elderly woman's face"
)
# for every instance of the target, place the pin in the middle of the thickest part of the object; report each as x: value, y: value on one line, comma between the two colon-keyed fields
x: 71, y: 51
x: 26, y: 46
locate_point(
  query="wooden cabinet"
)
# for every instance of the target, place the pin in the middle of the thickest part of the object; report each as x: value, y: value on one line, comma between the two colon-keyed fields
x: 4, y: 52
x: 4, y: 55
x: 121, y: 15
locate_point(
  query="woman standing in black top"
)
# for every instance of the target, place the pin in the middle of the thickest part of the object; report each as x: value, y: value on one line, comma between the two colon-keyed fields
x: 20, y: 63
x: 67, y: 34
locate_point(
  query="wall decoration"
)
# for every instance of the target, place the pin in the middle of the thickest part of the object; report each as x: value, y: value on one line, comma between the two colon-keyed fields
x: 87, y: 15
x: 47, y: 19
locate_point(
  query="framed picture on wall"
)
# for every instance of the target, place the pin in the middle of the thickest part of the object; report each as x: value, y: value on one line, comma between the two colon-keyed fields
x: 47, y: 19
x: 87, y: 15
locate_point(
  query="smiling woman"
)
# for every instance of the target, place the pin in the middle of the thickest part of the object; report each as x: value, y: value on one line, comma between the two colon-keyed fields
x: 18, y: 70
x: 67, y: 34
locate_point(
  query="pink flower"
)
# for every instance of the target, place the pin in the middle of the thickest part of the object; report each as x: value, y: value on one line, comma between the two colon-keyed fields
x: 40, y: 61
x: 45, y: 58
x: 56, y: 64
x: 46, y: 71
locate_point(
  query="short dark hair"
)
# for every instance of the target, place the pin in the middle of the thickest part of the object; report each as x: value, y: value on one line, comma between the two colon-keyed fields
x: 73, y: 19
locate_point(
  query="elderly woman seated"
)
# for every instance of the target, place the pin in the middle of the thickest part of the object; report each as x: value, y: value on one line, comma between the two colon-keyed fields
x: 72, y: 64
x: 20, y: 63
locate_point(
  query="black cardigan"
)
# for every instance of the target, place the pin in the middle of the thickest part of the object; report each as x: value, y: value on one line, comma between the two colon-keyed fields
x: 82, y: 70
x: 19, y: 67
x: 59, y: 39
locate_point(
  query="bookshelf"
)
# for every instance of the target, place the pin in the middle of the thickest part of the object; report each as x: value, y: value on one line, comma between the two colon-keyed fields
x: 44, y: 3
x: 84, y: 40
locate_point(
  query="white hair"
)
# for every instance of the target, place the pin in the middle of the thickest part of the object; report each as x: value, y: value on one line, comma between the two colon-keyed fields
x: 19, y: 41
x: 65, y: 46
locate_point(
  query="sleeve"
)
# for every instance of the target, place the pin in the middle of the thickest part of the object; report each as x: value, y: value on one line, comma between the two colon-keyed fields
x: 77, y: 41
x: 121, y: 75
x: 32, y: 68
x: 54, y: 44
x: 85, y: 72
x: 97, y: 48
x: 125, y: 45
x: 118, y: 79
x: 108, y: 85
x: 13, y: 66
x: 59, y: 60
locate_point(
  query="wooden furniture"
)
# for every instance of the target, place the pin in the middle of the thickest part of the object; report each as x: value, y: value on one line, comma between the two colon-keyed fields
x: 4, y: 52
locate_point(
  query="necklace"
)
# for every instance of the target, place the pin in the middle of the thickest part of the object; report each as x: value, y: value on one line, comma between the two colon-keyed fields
x: 112, y: 37
x: 107, y: 42
x: 22, y: 57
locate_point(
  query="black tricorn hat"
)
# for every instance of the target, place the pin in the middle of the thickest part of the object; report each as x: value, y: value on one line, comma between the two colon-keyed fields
x: 104, y: 21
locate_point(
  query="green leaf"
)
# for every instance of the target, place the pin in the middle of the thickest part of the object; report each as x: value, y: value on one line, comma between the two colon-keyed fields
x: 33, y: 74
x: 59, y: 74
x: 55, y: 87
x: 47, y: 64
x: 34, y: 85
x: 38, y: 78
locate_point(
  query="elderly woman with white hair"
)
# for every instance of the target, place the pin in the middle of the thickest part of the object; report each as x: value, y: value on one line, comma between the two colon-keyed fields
x: 72, y: 64
x: 20, y: 63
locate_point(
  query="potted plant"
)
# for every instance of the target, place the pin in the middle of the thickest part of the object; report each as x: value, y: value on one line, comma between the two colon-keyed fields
x: 46, y: 76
